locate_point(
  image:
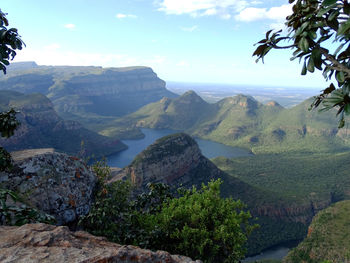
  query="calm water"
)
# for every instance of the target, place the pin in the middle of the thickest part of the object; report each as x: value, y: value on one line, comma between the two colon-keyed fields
x: 277, y: 252
x: 209, y: 149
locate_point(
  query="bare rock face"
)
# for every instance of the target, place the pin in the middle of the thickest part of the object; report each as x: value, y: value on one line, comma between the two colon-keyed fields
x: 47, y: 243
x: 175, y: 160
x: 54, y: 183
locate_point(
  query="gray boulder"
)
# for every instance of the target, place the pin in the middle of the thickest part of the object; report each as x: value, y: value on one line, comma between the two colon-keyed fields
x: 55, y: 183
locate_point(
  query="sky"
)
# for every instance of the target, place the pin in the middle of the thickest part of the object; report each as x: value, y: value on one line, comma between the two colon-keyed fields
x: 202, y: 41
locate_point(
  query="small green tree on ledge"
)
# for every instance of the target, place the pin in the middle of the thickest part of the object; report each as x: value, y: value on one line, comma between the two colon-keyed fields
x: 319, y: 35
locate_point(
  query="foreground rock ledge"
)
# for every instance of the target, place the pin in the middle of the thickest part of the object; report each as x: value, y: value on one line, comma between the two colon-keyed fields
x: 47, y: 243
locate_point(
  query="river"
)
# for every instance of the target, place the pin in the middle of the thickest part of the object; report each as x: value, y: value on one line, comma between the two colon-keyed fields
x: 209, y: 149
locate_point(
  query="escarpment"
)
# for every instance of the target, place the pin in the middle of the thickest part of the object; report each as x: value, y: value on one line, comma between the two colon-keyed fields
x: 80, y: 91
x: 41, y: 127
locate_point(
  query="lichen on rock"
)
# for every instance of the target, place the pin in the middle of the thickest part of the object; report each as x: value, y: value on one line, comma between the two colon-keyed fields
x: 55, y: 183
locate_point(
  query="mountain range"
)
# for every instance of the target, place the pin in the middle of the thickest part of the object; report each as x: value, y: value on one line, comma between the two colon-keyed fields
x: 240, y: 121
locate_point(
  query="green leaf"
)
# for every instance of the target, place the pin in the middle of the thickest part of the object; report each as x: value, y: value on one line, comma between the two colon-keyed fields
x: 317, y: 58
x: 312, y: 34
x: 304, y: 70
x: 340, y: 76
x: 328, y: 2
x: 343, y: 28
x: 347, y: 109
x: 303, y: 44
x: 333, y: 14
x: 311, y: 65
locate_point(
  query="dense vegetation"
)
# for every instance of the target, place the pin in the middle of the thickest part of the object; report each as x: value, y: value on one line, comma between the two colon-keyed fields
x: 198, y: 223
x: 299, y: 177
x: 303, y: 183
x: 328, y: 237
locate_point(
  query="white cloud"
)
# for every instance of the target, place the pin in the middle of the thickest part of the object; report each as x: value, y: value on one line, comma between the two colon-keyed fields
x: 242, y: 10
x: 275, y: 13
x: 196, y: 8
x: 69, y: 26
x: 121, y: 16
x: 189, y: 29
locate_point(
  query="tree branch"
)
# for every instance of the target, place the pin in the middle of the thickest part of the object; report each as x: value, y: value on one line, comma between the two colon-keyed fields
x: 336, y: 65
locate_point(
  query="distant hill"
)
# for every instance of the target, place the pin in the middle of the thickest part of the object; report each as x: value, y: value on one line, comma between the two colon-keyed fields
x: 41, y: 127
x: 239, y: 121
x: 90, y: 95
x: 328, y: 237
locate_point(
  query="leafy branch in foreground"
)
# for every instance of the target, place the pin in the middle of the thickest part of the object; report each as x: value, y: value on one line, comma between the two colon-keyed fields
x: 199, y: 223
x: 319, y: 36
x: 9, y: 42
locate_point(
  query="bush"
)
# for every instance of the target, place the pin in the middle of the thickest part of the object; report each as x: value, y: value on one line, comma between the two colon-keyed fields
x: 13, y: 213
x: 201, y: 224
x: 198, y: 224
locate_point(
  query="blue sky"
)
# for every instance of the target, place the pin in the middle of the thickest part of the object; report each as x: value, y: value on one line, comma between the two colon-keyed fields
x: 182, y: 40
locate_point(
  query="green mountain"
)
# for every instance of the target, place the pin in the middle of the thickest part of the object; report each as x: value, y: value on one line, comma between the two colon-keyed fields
x: 91, y: 95
x: 41, y: 127
x: 239, y: 121
x: 328, y: 238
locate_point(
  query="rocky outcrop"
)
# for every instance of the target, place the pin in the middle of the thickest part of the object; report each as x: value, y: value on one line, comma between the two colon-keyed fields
x: 41, y: 127
x: 55, y: 183
x: 50, y: 244
x: 175, y: 160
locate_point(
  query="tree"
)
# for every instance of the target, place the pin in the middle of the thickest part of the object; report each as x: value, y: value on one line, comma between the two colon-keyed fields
x: 319, y: 36
x: 202, y: 225
x: 9, y: 42
x: 196, y: 223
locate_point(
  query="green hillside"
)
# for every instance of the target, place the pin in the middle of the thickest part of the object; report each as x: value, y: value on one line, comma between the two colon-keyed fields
x: 299, y: 177
x: 41, y: 127
x: 328, y: 237
x: 238, y: 121
x: 302, y: 184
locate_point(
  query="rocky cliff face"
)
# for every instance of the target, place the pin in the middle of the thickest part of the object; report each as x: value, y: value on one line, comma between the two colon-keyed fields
x: 175, y: 160
x: 55, y: 183
x: 78, y: 91
x: 41, y: 127
x: 50, y: 244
